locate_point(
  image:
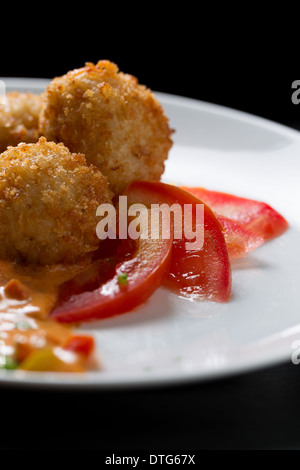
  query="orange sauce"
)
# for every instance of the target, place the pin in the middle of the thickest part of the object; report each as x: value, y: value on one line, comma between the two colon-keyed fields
x: 29, y: 338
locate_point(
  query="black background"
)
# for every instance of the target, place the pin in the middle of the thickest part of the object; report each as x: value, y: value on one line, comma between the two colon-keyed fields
x: 188, y: 53
x: 182, y: 52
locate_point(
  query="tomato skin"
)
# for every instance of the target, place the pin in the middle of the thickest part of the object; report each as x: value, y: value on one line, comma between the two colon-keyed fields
x: 254, y: 215
x: 144, y: 272
x: 203, y: 273
x: 240, y: 240
x: 199, y: 274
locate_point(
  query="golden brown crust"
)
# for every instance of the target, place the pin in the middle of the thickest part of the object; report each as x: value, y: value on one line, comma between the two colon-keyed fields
x: 19, y: 119
x: 117, y: 123
x: 48, y: 202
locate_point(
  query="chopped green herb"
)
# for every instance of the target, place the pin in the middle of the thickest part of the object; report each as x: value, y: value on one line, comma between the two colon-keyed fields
x: 22, y: 325
x: 122, y: 279
x: 177, y: 359
x: 9, y: 363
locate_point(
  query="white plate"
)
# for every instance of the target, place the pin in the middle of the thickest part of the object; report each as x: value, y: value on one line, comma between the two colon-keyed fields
x: 172, y: 340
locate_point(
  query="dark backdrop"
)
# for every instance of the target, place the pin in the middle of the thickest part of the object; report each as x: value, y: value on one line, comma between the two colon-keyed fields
x: 189, y: 55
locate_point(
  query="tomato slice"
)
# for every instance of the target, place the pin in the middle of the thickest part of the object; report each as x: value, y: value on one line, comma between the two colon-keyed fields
x: 254, y: 215
x: 133, y: 282
x: 239, y: 239
x: 204, y: 273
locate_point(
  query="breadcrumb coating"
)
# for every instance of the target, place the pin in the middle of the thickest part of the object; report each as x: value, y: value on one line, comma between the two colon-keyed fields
x: 48, y: 202
x: 118, y: 124
x: 19, y: 119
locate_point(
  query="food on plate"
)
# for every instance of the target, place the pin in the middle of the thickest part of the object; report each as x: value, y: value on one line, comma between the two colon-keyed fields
x: 19, y: 119
x: 48, y: 201
x: 132, y: 281
x: 239, y: 239
x: 202, y: 273
x: 74, y: 355
x: 117, y: 123
x: 97, y: 135
x: 29, y: 338
x: 254, y: 215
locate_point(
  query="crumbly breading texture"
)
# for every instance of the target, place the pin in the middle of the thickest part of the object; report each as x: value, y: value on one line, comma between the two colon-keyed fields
x: 19, y: 119
x: 118, y: 124
x: 48, y: 202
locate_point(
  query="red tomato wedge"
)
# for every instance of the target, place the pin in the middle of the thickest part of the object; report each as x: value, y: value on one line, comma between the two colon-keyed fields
x: 82, y: 344
x: 133, y: 282
x: 254, y: 215
x: 204, y: 273
x: 239, y: 239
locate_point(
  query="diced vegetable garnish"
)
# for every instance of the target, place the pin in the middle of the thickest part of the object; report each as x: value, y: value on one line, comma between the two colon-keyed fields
x: 82, y: 344
x: 53, y: 359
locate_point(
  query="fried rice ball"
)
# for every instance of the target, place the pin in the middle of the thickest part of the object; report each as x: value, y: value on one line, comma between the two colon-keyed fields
x: 48, y: 202
x: 19, y: 119
x: 114, y: 121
